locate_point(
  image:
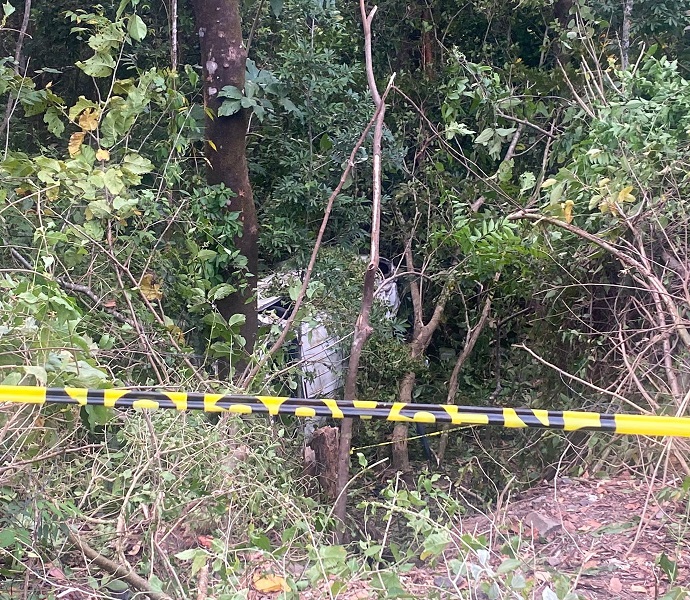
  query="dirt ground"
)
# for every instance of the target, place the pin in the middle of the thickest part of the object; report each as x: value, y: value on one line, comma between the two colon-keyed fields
x: 606, y: 536
x: 621, y: 538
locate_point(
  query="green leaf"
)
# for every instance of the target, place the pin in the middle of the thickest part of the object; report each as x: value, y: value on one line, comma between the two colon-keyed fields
x: 7, y: 538
x: 187, y: 554
x: 53, y: 121
x: 277, y: 7
x: 113, y: 181
x: 507, y: 566
x: 136, y: 28
x: 325, y: 143
x: 38, y: 372
x: 205, y: 255
x: 81, y: 105
x: 669, y: 567
x: 527, y: 181
x: 236, y: 320
x: 199, y: 561
x: 230, y: 91
x: 261, y: 541
x: 247, y: 102
x: 221, y: 291
x: 99, y: 65
x: 229, y: 108
x: 8, y: 9
x: 260, y: 112
x: 484, y: 137
x: 136, y: 164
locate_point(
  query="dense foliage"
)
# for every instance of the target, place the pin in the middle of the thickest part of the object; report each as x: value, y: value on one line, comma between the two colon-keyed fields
x: 533, y: 198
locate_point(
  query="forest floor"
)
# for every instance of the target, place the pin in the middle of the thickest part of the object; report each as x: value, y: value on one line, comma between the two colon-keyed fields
x: 616, y: 538
x: 607, y: 537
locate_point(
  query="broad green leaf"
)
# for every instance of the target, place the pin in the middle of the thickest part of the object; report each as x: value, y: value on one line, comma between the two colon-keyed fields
x: 205, y: 255
x: 230, y: 91
x: 507, y: 566
x: 53, y: 121
x: 485, y: 136
x: 8, y: 9
x: 113, y: 181
x: 236, y: 320
x: 136, y: 28
x: 38, y: 372
x: 7, y: 537
x: 136, y: 164
x: 229, y: 108
x: 188, y: 554
x: 277, y: 7
x: 99, y: 65
x: 98, y: 209
x: 527, y: 181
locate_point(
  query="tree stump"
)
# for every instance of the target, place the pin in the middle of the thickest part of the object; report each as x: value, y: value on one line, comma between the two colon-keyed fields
x: 325, y: 443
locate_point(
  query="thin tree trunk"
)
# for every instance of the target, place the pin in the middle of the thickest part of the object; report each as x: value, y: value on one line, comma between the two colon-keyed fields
x: 11, y: 100
x: 421, y: 338
x: 471, y: 341
x: 223, y: 58
x: 363, y: 328
x: 173, y: 36
x: 400, y: 458
x: 625, y: 34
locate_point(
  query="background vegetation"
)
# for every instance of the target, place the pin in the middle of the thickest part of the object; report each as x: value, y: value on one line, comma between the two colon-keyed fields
x: 535, y: 167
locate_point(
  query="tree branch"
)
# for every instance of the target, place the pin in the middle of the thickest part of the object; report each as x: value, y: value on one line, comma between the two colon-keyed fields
x: 251, y: 373
x: 115, y: 569
x: 363, y: 328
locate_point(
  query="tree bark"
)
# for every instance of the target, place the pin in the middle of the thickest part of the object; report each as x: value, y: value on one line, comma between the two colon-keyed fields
x: 223, y: 59
x: 363, y: 328
x: 625, y: 33
x: 18, y: 60
x: 421, y: 338
x: 325, y: 444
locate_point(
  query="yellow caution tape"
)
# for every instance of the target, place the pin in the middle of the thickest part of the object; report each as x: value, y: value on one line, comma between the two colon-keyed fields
x: 337, y: 409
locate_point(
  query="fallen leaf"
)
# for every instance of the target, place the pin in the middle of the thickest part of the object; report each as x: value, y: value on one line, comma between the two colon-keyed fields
x: 615, y: 585
x: 640, y: 589
x: 205, y: 541
x: 75, y: 141
x: 134, y: 550
x: 56, y: 573
x: 270, y: 583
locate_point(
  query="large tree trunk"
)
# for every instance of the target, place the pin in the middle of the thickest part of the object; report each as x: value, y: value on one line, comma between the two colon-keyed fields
x: 223, y: 58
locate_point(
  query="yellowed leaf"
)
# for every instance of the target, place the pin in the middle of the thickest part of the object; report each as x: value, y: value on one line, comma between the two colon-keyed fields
x: 102, y: 154
x: 624, y: 193
x: 177, y: 333
x: 568, y: 211
x: 150, y: 289
x: 53, y: 191
x: 210, y: 143
x: 270, y: 583
x: 625, y: 196
x: 75, y: 142
x: 640, y: 589
x: 88, y: 120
